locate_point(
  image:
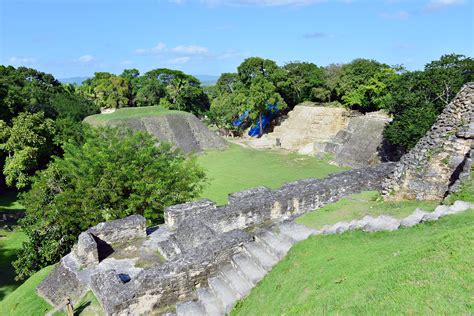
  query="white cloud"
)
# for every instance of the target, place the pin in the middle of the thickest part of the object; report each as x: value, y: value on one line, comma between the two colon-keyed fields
x: 21, y: 60
x: 158, y: 48
x: 179, y: 60
x: 433, y: 5
x: 86, y: 58
x: 263, y: 3
x: 398, y: 15
x: 191, y: 50
x: 127, y: 62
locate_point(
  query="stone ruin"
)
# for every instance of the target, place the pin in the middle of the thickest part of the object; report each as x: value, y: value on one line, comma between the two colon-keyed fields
x: 442, y: 158
x: 206, y: 257
x: 353, y: 139
x: 132, y: 270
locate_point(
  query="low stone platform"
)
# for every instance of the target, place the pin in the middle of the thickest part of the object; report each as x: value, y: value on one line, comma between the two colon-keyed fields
x: 134, y: 271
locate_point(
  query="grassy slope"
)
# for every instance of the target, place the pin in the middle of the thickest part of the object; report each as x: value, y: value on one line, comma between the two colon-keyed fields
x: 357, y: 206
x: 422, y: 270
x: 229, y: 171
x: 24, y: 300
x: 126, y: 113
x: 9, y: 202
x: 239, y: 168
x: 10, y: 243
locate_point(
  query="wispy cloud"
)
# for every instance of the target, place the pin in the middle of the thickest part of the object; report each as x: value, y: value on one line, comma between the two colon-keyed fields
x: 315, y: 35
x: 86, y: 58
x: 190, y: 49
x: 434, y: 5
x: 179, y: 60
x: 397, y: 15
x: 21, y: 60
x: 262, y: 3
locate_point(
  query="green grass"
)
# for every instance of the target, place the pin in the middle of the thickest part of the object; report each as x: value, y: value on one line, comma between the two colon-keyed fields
x: 126, y: 113
x: 9, y: 202
x: 10, y: 243
x: 25, y: 301
x: 466, y: 192
x: 239, y: 168
x: 357, y: 206
x: 424, y: 270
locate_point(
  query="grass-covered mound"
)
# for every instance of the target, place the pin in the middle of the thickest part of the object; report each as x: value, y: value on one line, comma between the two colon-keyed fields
x: 24, y: 300
x: 424, y: 270
x: 126, y: 113
x: 182, y: 129
x: 239, y: 168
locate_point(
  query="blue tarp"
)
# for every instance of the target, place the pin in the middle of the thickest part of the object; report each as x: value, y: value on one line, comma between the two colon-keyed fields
x: 266, y: 119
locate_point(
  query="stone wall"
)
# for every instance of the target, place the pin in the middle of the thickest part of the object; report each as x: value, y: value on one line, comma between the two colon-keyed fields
x: 441, y: 157
x: 361, y: 143
x: 196, y: 241
x: 352, y: 138
x: 184, y: 130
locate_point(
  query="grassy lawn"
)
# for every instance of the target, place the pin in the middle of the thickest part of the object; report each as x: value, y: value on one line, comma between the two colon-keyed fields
x: 239, y: 168
x: 25, y: 301
x: 10, y: 243
x: 9, y: 202
x: 357, y: 206
x: 126, y: 113
x: 424, y: 270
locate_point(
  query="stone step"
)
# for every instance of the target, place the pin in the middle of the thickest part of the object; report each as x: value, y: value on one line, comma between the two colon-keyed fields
x: 261, y: 254
x: 280, y: 245
x: 253, y: 271
x: 212, y: 305
x: 226, y: 295
x: 236, y: 280
x: 295, y: 231
x: 190, y: 308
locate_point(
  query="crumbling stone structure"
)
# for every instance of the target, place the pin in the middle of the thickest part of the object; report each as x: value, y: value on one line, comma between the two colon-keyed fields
x: 441, y: 158
x: 352, y: 138
x: 135, y: 271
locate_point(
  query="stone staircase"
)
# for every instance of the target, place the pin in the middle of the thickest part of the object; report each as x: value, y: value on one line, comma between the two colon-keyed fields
x: 305, y: 126
x: 246, y: 268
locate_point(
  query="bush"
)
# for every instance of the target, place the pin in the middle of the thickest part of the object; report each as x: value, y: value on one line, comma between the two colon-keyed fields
x: 115, y: 173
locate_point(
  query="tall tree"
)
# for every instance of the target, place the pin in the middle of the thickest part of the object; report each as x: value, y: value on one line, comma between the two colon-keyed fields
x: 262, y: 93
x: 115, y: 173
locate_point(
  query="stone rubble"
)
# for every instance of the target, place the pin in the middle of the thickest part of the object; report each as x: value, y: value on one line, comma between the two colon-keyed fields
x: 133, y: 272
x: 442, y: 158
x: 234, y: 282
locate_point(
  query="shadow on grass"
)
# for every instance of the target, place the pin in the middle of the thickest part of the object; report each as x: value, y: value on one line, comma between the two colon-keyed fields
x: 79, y: 309
x: 9, y: 202
x: 7, y: 256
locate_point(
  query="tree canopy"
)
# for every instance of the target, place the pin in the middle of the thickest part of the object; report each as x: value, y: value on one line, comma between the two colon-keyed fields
x: 113, y: 174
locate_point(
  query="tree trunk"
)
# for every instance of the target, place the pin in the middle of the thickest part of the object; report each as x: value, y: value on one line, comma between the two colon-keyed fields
x: 260, y: 132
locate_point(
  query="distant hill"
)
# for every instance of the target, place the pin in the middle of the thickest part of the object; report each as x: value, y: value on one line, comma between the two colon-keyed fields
x: 207, y: 80
x: 73, y: 80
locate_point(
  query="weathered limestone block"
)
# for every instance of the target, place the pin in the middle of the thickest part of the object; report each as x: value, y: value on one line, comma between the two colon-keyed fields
x: 443, y: 156
x: 61, y: 284
x: 361, y: 143
x: 87, y: 251
x: 120, y: 230
x: 175, y: 214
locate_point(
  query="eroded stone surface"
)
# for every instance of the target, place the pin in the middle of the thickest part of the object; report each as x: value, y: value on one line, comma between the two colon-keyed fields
x: 441, y: 158
x: 149, y: 272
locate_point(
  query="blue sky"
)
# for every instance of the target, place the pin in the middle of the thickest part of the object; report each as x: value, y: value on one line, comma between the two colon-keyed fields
x: 77, y: 38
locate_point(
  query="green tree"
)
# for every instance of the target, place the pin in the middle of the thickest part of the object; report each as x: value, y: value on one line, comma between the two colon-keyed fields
x: 418, y: 97
x: 28, y: 144
x: 261, y: 93
x: 106, y: 90
x: 115, y: 173
x: 254, y: 67
x: 362, y: 84
x: 300, y: 81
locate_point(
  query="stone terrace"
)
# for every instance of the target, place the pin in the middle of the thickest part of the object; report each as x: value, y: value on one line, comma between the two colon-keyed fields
x: 135, y: 271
